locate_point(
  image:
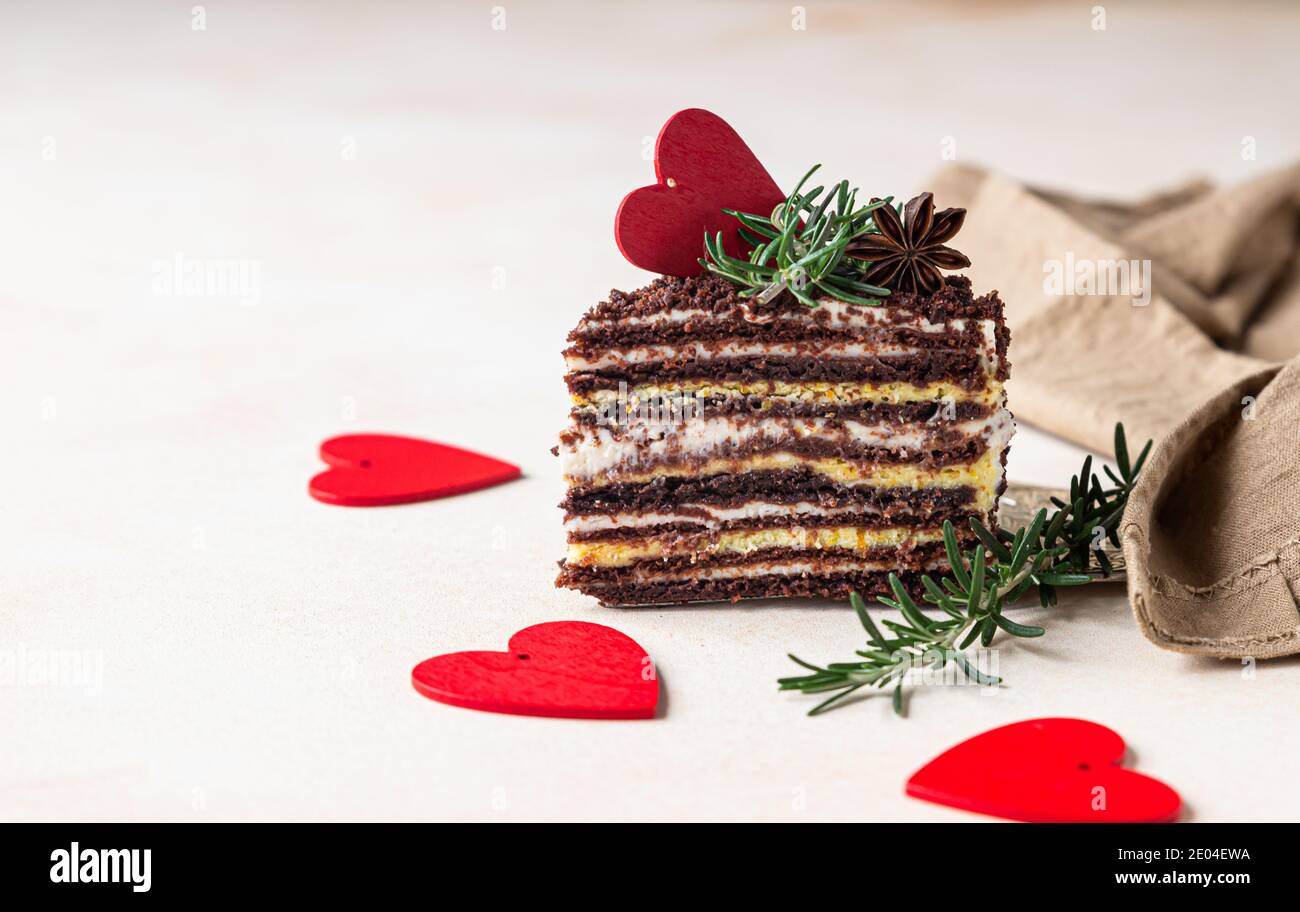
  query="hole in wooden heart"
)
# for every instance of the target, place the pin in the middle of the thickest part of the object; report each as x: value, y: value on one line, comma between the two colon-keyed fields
x: 1085, y: 767
x: 522, y: 655
x: 365, y: 463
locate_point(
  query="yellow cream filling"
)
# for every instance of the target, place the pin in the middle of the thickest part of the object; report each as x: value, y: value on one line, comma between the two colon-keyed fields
x: 991, y: 394
x: 984, y: 472
x: 845, y: 538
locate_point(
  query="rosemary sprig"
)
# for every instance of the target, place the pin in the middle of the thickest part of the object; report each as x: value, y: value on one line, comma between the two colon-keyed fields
x: 1050, y: 553
x: 799, y: 248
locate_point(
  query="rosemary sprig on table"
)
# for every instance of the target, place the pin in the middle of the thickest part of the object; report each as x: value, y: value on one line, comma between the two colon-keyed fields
x: 1052, y: 552
x: 800, y: 248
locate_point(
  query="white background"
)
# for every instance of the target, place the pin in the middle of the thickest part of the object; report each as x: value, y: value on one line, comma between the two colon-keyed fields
x: 387, y: 167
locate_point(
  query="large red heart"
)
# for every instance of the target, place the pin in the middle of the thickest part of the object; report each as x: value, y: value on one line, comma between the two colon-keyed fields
x: 570, y: 669
x: 375, y: 470
x: 701, y: 166
x: 1045, y: 771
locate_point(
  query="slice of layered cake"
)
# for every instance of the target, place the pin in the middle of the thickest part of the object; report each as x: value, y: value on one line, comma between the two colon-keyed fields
x: 783, y: 425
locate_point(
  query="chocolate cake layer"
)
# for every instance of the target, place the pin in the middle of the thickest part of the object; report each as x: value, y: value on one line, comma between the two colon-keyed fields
x: 782, y: 486
x: 828, y: 586
x: 927, y: 413
x: 960, y: 367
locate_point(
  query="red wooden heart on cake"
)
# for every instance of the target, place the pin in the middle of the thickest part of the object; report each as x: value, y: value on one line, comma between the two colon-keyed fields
x: 375, y: 470
x: 1045, y: 771
x: 569, y: 669
x: 702, y: 166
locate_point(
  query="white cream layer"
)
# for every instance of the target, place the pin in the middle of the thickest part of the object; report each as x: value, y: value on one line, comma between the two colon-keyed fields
x: 771, y: 568
x: 598, y: 451
x: 713, y: 517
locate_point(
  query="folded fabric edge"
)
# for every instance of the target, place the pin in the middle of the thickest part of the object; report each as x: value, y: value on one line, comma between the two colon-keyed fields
x: 1157, y: 599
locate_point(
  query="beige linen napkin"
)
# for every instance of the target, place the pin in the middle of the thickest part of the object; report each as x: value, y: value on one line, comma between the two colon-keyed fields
x: 1190, y: 358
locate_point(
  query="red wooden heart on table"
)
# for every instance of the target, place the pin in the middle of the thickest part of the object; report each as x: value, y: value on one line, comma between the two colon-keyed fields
x: 375, y: 470
x: 701, y: 166
x: 569, y: 669
x: 1045, y: 771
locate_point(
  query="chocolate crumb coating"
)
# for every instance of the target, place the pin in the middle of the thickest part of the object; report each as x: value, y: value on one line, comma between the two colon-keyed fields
x: 714, y: 294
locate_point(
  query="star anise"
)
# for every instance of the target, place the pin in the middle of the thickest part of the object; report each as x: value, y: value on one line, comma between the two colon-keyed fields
x: 907, y: 255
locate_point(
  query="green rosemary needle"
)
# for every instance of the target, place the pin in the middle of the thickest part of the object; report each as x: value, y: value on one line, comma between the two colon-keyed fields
x: 799, y: 248
x: 1052, y: 552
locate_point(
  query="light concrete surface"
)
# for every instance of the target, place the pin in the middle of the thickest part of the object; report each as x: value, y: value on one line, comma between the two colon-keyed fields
x: 423, y: 205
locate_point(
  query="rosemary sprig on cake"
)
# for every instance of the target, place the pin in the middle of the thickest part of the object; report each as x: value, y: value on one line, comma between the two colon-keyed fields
x: 802, y: 247
x: 1050, y: 553
x: 813, y: 245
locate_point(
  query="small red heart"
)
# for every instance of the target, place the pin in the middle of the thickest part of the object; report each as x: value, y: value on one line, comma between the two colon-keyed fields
x: 376, y: 470
x: 701, y: 166
x: 569, y: 669
x: 1045, y: 771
